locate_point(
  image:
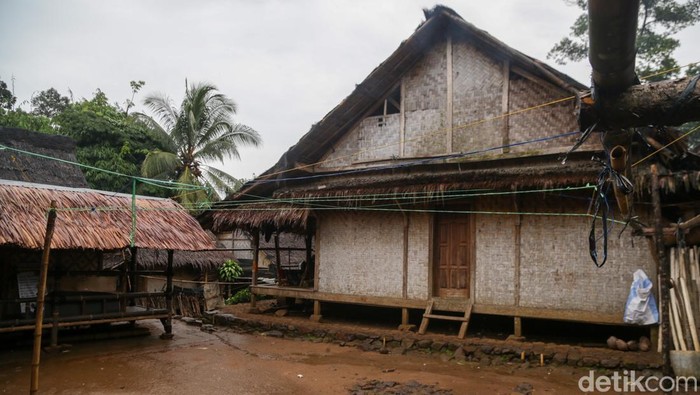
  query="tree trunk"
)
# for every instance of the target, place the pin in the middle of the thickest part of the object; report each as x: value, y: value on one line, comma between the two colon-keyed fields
x: 665, y: 103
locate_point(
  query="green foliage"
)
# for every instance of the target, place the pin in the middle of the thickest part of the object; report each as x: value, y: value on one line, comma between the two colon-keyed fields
x: 107, y: 138
x: 230, y: 271
x: 201, y: 130
x: 659, y: 21
x: 49, y: 103
x: 7, y: 99
x: 20, y: 119
x: 242, y: 296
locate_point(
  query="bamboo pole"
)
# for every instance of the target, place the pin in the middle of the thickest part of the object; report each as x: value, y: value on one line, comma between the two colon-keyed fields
x: 691, y: 317
x: 41, y: 291
x: 663, y: 273
x: 254, y: 279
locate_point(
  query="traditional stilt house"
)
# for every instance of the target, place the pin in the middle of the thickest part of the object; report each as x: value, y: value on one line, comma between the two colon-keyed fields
x: 89, y: 223
x: 439, y: 184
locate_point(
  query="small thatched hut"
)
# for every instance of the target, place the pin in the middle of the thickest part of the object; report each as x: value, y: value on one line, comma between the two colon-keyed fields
x: 90, y: 223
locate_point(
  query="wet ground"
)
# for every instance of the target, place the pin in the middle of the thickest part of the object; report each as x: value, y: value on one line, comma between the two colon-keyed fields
x: 224, y: 362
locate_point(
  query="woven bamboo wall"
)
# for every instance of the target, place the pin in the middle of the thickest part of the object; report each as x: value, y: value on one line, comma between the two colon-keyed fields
x: 556, y: 271
x: 478, y: 90
x: 362, y: 254
x: 477, y: 95
x: 545, y: 121
x: 418, y: 255
x: 425, y: 104
x: 378, y: 137
x: 495, y: 253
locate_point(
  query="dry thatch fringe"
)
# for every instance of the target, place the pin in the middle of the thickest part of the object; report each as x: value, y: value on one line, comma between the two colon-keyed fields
x: 160, y: 223
x: 257, y: 215
x: 148, y: 258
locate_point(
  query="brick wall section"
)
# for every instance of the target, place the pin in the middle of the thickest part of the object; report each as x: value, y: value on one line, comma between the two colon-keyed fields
x: 477, y: 95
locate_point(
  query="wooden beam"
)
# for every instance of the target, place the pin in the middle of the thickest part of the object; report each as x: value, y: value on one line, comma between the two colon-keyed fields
x: 671, y: 102
x: 254, y: 279
x: 450, y: 98
x: 505, y: 105
x: 517, y: 251
x: 404, y: 267
x: 168, y: 321
x: 40, y: 296
x: 402, y: 121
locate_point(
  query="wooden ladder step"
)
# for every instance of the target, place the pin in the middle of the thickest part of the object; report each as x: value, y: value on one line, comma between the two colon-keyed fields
x: 446, y: 317
x: 426, y: 319
x: 465, y: 323
x: 428, y: 315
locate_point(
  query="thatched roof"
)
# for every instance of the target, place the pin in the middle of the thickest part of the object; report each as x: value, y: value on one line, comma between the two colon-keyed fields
x: 260, y: 215
x: 278, y: 180
x: 157, y: 259
x: 91, y: 219
x: 378, y: 84
x: 18, y: 167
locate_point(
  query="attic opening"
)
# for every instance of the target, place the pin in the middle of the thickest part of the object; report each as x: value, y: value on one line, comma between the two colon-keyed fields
x: 390, y: 105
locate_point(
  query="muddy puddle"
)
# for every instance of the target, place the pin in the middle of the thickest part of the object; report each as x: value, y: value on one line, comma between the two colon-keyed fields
x: 224, y: 362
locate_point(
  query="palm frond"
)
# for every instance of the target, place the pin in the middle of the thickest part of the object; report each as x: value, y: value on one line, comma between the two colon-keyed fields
x: 161, y: 106
x: 160, y: 164
x: 226, y: 145
x: 221, y: 181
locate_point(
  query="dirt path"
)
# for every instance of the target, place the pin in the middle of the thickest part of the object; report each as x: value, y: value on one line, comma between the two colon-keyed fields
x: 224, y: 362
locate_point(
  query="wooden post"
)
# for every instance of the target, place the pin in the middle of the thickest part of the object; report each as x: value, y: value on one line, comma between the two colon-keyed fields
x: 404, y: 271
x: 168, y: 322
x: 40, y: 295
x: 317, y: 311
x: 308, y: 242
x: 133, y: 286
x: 664, y: 270
x: 449, y: 126
x: 254, y: 279
x: 278, y: 261
x: 505, y: 106
x: 517, y: 327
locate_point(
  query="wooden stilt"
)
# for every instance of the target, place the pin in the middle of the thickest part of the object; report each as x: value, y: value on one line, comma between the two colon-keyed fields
x: 40, y: 296
x: 168, y: 322
x: 517, y: 327
x: 254, y: 279
x: 317, y: 311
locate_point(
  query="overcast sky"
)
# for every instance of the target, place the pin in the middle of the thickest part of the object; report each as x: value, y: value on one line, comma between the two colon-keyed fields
x: 285, y: 63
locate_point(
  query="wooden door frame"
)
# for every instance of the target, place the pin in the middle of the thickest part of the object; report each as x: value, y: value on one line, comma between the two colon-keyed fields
x: 432, y: 276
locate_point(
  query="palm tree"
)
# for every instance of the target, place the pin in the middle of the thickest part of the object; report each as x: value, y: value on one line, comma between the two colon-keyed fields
x: 201, y: 130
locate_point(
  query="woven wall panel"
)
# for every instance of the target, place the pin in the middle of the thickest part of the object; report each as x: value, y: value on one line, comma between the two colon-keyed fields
x: 379, y: 137
x: 477, y: 93
x: 425, y: 104
x: 361, y: 253
x: 418, y: 255
x: 495, y: 253
x: 541, y: 122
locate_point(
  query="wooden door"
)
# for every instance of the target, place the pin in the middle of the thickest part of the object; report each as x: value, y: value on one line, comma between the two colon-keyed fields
x: 453, y: 255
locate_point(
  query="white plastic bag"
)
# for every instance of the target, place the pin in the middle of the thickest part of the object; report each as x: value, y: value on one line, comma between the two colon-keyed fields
x: 641, y: 306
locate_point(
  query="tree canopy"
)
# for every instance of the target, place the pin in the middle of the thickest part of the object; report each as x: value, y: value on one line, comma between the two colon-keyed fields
x: 659, y: 21
x: 200, y: 131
